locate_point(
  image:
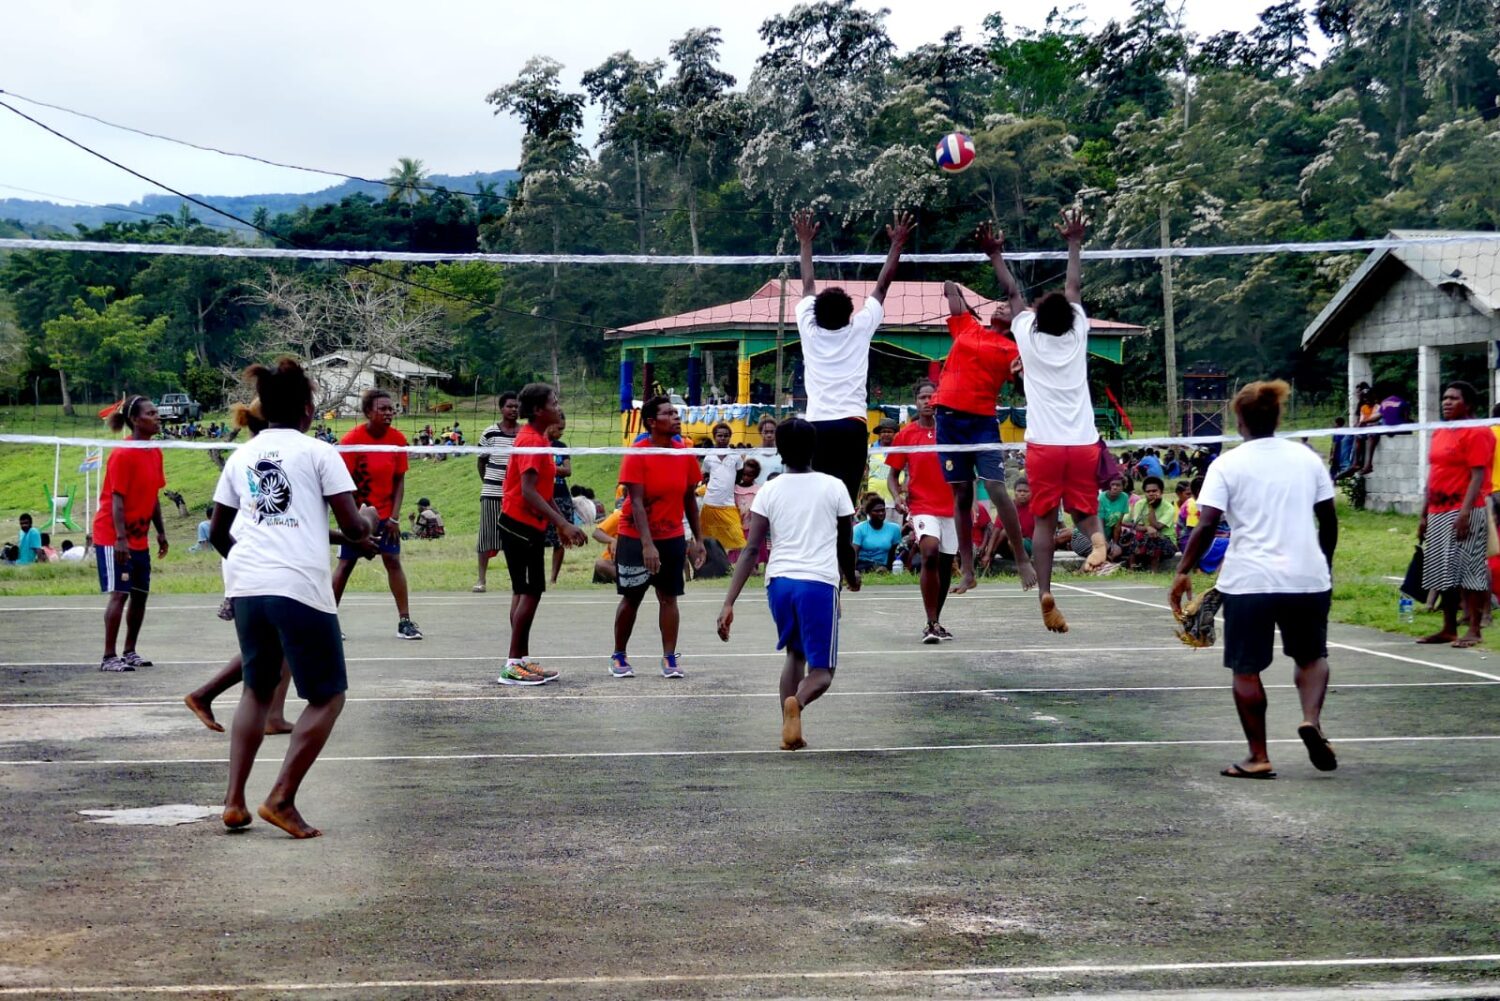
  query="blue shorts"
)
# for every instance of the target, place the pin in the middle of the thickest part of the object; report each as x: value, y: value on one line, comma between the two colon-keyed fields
x: 806, y: 613
x: 955, y: 427
x: 134, y: 575
x: 390, y: 545
x: 273, y: 628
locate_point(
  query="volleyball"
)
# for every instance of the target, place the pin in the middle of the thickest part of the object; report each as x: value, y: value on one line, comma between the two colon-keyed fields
x: 955, y: 152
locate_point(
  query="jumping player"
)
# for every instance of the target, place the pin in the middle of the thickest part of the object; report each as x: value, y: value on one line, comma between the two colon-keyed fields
x: 281, y: 486
x: 836, y: 356
x: 660, y: 492
x: 1062, y: 444
x: 525, y: 513
x: 810, y: 520
x: 128, y: 503
x: 927, y: 500
x: 380, y: 481
x: 981, y: 360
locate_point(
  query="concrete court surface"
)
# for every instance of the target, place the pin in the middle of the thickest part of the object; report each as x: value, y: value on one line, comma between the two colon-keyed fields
x: 1011, y: 814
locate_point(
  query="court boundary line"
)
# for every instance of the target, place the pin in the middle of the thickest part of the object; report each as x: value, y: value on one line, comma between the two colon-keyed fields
x: 646, y: 979
x: 1332, y: 645
x: 542, y: 699
x: 1077, y: 745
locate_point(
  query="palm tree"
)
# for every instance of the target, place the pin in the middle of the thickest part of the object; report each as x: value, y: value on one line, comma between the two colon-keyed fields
x: 406, y: 181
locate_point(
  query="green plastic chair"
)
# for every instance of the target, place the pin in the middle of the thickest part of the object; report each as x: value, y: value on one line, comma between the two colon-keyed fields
x: 61, y: 508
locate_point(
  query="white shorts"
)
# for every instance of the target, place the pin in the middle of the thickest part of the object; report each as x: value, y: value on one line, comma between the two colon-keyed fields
x: 942, y: 529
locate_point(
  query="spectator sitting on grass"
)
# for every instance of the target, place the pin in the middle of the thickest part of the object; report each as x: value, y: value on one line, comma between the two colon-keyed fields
x: 875, y: 539
x: 202, y: 544
x: 1114, y: 506
x: 1153, y: 522
x: 426, y: 523
x: 606, y: 532
x: 1000, y: 543
x: 76, y: 554
x: 28, y: 544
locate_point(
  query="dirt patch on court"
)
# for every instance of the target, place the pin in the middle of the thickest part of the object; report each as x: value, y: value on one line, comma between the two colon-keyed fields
x: 82, y: 723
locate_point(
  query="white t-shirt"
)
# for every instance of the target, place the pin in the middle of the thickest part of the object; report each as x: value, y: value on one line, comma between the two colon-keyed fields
x: 770, y: 462
x: 836, y: 363
x: 721, y: 470
x: 279, y: 482
x: 1059, y: 410
x: 804, y: 511
x: 1267, y: 488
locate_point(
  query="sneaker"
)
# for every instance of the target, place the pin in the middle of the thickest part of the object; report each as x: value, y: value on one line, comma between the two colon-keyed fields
x: 520, y: 674
x: 930, y: 634
x: 406, y: 629
x: 134, y: 659
x: 669, y: 668
x: 619, y: 667
x: 114, y: 665
x: 536, y: 668
x: 943, y: 634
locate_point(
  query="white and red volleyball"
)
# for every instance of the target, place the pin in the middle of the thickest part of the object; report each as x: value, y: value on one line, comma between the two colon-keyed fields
x: 955, y: 153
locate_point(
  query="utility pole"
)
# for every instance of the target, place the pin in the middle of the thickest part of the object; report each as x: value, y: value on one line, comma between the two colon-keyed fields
x: 1170, y: 347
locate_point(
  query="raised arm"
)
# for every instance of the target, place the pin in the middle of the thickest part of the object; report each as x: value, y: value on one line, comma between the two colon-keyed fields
x: 1072, y: 228
x: 992, y: 242
x: 956, y: 304
x: 807, y: 228
x: 900, y: 228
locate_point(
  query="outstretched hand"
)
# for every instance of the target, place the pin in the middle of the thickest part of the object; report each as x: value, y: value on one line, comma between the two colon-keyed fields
x: 1073, y: 226
x: 991, y: 240
x: 902, y: 223
x: 726, y: 621
x: 805, y: 225
x: 1182, y: 587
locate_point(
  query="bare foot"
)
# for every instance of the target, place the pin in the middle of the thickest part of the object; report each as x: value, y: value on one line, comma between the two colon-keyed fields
x: 286, y: 817
x: 1436, y: 639
x: 275, y: 726
x: 1467, y: 640
x: 967, y: 584
x: 236, y: 818
x: 791, y: 725
x: 1027, y: 570
x: 1051, y: 617
x: 205, y: 713
x: 1098, y: 555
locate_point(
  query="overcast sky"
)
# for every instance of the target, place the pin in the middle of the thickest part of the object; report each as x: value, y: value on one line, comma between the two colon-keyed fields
x: 348, y: 86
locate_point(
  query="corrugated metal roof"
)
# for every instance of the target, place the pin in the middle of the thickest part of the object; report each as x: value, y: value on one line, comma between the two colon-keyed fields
x: 403, y: 368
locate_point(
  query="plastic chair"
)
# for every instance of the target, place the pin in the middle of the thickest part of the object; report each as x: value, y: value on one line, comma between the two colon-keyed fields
x: 61, y: 508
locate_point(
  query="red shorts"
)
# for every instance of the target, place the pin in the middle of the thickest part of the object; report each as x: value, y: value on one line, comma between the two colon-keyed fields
x: 1066, y: 474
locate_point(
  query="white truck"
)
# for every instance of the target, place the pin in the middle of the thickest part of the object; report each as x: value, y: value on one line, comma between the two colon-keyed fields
x: 174, y: 408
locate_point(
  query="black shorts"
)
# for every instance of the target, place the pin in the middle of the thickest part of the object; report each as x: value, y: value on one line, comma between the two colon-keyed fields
x: 842, y: 451
x: 632, y: 579
x: 525, y: 555
x: 273, y: 628
x: 1251, y: 621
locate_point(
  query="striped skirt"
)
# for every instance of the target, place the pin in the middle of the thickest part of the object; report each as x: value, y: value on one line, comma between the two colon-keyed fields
x: 489, y: 525
x: 1447, y: 561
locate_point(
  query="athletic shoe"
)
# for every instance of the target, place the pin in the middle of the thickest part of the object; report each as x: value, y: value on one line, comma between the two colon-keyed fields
x: 943, y: 634
x: 930, y: 635
x: 520, y: 674
x: 114, y: 665
x: 406, y: 629
x: 478, y: 589
x: 536, y: 668
x: 669, y: 668
x: 619, y: 667
x: 134, y: 659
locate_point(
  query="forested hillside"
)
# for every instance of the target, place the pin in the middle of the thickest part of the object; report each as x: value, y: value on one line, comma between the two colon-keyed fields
x: 1236, y: 138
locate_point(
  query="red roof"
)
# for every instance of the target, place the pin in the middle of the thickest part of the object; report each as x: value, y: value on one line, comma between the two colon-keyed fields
x: 909, y: 305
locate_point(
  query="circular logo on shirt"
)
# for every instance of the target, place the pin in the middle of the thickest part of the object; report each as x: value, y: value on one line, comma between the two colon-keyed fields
x: 270, y: 488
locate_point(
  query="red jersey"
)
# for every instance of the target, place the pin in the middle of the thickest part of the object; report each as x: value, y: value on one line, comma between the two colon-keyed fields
x: 665, y: 479
x: 1450, y: 460
x: 978, y: 365
x: 514, y: 502
x: 926, y: 490
x: 375, y: 473
x: 137, y: 474
x: 982, y: 521
x: 1026, y: 518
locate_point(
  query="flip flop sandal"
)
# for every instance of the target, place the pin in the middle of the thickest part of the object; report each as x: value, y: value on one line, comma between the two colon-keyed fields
x: 1234, y: 771
x: 1319, y: 750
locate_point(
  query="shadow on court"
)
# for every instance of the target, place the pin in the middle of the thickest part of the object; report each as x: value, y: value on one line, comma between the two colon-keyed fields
x: 1008, y: 801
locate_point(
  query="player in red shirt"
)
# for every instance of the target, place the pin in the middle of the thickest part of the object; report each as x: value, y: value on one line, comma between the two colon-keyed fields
x: 981, y: 360
x: 128, y: 503
x: 928, y: 501
x: 380, y: 482
x: 651, y: 552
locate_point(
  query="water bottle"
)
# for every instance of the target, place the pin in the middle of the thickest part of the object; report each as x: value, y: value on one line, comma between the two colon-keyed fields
x: 1406, y: 610
x: 896, y: 566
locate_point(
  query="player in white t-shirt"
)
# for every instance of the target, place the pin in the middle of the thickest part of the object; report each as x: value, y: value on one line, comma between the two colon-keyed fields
x: 1062, y: 444
x: 810, y: 520
x: 1278, y: 497
x: 835, y: 342
x: 281, y: 486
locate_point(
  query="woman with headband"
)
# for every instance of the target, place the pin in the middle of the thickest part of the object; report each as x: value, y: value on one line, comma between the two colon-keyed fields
x: 128, y: 503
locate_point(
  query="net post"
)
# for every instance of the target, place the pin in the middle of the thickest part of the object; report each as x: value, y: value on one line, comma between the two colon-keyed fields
x: 1170, y: 327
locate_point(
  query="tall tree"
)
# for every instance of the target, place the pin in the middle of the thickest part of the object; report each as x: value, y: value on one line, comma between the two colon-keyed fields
x: 407, y: 181
x: 635, y: 120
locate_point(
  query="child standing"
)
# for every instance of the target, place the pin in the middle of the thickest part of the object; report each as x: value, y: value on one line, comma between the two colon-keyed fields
x: 810, y: 520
